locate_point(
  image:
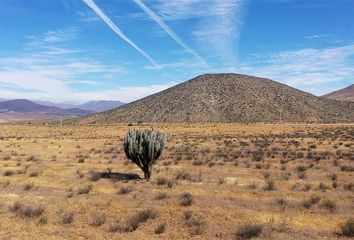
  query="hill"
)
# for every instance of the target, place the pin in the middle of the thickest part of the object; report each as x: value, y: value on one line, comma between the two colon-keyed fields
x: 25, y: 110
x: 228, y: 98
x: 59, y: 105
x: 100, y: 106
x: 345, y: 94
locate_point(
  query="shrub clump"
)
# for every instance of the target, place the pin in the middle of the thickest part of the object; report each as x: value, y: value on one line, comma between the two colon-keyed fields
x: 85, y: 190
x: 141, y: 217
x: 160, y: 228
x: 66, y: 218
x: 97, y: 219
x: 330, y: 205
x: 347, y: 228
x: 249, y: 231
x: 186, y: 199
x: 125, y: 190
x: 27, y: 210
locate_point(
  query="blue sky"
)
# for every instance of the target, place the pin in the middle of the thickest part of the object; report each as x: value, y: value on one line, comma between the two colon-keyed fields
x: 80, y: 50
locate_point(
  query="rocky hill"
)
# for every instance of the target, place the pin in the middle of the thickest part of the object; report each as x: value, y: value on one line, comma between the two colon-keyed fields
x: 227, y: 98
x: 345, y: 94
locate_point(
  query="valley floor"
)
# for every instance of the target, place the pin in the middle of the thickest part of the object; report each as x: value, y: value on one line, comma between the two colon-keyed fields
x: 285, y: 181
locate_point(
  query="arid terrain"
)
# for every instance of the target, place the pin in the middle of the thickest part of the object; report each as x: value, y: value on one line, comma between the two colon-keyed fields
x: 345, y: 94
x: 213, y: 181
x: 228, y: 97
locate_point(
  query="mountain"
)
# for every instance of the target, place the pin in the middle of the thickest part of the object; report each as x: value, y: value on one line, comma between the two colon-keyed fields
x: 345, y: 94
x: 228, y: 98
x: 21, y: 109
x: 100, y: 106
x: 59, y: 105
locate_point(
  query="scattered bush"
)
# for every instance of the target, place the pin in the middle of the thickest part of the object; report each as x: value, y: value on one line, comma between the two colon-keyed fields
x: 125, y: 190
x: 161, y: 196
x: 28, y: 186
x: 85, y: 190
x: 196, y: 225
x: 186, y: 199
x: 33, y: 159
x: 97, y: 219
x: 329, y: 205
x: 347, y: 228
x: 66, y: 218
x: 250, y: 230
x: 43, y: 220
x: 160, y: 228
x: 269, y: 185
x: 27, y: 210
x: 116, y: 227
x: 33, y: 174
x: 8, y: 173
x: 140, y: 218
x: 182, y: 175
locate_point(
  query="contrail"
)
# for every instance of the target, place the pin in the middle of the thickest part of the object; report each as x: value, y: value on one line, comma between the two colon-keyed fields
x: 169, y: 31
x: 116, y: 29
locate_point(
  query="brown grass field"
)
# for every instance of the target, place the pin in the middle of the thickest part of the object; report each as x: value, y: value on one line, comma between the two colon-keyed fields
x: 265, y: 181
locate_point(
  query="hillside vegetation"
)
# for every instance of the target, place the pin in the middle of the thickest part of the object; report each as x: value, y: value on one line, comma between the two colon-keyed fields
x: 228, y: 98
x: 345, y: 94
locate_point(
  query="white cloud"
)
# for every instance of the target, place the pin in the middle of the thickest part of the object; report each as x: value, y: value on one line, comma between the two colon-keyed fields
x: 32, y: 80
x: 49, y: 71
x: 308, y: 69
x: 169, y: 31
x: 57, y: 36
x: 318, y: 36
x: 218, y: 24
x: 124, y: 94
x: 184, y: 9
x: 88, y: 16
x: 117, y: 30
x: 221, y: 32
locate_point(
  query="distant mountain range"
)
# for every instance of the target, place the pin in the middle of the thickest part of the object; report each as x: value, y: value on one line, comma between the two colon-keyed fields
x: 345, y: 94
x: 227, y: 98
x: 25, y: 110
x: 59, y: 105
x: 100, y: 106
x: 95, y: 106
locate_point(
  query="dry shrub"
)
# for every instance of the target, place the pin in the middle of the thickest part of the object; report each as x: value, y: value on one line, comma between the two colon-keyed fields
x: 97, y: 219
x: 249, y: 230
x: 141, y: 217
x: 186, y: 199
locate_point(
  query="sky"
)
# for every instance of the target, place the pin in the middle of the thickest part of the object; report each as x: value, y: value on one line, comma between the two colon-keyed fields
x: 82, y: 50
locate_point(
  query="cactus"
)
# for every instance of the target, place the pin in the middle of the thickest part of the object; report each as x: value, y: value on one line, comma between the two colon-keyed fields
x: 144, y: 147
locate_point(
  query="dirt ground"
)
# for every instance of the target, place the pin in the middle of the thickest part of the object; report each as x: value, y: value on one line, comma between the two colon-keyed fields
x: 289, y: 181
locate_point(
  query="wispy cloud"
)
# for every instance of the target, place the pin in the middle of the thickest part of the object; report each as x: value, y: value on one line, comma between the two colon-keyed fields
x: 169, y: 31
x: 125, y: 94
x: 54, y: 36
x: 117, y: 30
x: 88, y: 16
x: 218, y: 24
x: 315, y: 70
x: 318, y: 36
x: 221, y: 33
x: 47, y: 70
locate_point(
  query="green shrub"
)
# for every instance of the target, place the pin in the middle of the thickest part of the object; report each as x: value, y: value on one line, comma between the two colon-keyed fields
x: 347, y: 228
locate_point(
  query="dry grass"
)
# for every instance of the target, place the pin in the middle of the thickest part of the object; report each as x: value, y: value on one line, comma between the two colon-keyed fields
x: 296, y: 181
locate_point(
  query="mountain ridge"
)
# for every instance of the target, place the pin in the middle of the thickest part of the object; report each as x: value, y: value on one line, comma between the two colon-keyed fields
x: 100, y: 105
x: 344, y: 94
x: 227, y: 97
x: 25, y: 110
